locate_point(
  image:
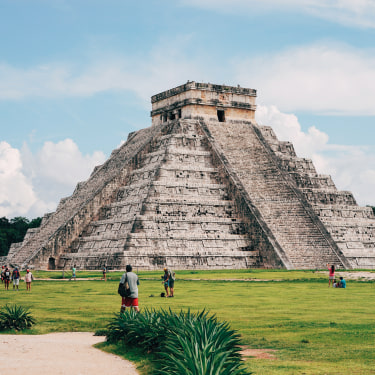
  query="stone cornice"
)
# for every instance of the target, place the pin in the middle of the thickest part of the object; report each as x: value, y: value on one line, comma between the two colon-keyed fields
x: 203, y: 87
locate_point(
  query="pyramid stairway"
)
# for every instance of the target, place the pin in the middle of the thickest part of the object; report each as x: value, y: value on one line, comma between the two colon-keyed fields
x: 173, y: 210
x: 351, y: 227
x: 302, y: 238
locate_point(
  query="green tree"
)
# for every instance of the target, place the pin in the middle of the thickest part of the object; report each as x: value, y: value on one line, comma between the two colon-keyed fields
x: 14, y: 230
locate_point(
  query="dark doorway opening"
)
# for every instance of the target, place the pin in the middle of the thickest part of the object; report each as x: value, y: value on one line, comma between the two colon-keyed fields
x: 51, y: 264
x: 221, y: 115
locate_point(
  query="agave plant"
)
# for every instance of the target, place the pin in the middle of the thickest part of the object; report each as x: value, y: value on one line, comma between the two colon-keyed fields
x: 15, y: 317
x: 146, y: 330
x: 200, y: 345
x: 184, y: 343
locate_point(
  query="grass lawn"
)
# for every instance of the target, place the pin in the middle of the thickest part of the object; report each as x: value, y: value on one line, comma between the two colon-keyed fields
x: 312, y: 328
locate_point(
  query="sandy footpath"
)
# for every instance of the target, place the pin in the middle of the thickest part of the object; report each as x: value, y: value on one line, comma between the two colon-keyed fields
x: 69, y: 353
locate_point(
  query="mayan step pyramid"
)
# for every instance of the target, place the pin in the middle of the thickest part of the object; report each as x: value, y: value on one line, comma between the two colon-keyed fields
x: 204, y: 187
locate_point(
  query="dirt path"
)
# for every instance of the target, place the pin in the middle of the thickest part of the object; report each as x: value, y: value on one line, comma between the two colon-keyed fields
x: 69, y: 353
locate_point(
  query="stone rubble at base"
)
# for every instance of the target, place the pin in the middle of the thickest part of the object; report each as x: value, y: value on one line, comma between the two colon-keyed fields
x: 204, y: 187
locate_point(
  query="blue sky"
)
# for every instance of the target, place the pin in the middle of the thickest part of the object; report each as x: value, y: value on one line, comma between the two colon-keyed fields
x: 76, y: 77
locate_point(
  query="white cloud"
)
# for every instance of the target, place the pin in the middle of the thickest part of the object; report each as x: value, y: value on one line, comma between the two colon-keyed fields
x: 287, y: 127
x: 351, y: 167
x: 33, y: 184
x: 358, y: 13
x: 16, y: 191
x: 328, y: 79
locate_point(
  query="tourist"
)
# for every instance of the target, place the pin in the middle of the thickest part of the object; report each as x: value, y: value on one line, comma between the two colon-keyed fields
x: 28, y: 279
x: 73, y: 273
x: 168, y: 282
x: 2, y: 274
x: 342, y: 282
x: 331, y: 274
x: 165, y: 278
x: 6, y: 278
x: 171, y: 279
x: 16, y: 278
x: 336, y: 284
x: 104, y: 274
x: 131, y: 279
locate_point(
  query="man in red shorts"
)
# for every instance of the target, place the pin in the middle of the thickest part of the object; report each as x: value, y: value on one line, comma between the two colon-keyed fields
x: 132, y: 279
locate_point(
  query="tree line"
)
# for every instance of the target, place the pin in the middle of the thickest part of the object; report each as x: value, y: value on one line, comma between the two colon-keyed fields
x: 14, y: 230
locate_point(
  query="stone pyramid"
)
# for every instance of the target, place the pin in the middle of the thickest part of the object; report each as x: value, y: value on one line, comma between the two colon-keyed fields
x: 204, y: 187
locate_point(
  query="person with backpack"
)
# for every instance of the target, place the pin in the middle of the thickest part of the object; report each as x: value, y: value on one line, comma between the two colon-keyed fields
x: 16, y: 278
x: 7, y: 278
x: 128, y: 289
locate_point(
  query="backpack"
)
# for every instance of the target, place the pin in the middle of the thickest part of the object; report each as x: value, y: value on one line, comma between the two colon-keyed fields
x: 173, y: 275
x: 123, y: 289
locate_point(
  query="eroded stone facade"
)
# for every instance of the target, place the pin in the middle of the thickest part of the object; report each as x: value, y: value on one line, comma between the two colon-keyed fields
x: 203, y: 187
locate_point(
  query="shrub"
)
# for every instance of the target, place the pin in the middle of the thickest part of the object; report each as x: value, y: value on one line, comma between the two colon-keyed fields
x: 183, y: 343
x: 15, y: 317
x: 198, y: 344
x: 141, y: 330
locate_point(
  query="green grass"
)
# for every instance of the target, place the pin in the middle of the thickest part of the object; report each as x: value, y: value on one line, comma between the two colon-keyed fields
x: 314, y: 329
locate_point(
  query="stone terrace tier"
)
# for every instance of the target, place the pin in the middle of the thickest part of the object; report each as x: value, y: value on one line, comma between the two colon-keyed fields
x: 174, y: 210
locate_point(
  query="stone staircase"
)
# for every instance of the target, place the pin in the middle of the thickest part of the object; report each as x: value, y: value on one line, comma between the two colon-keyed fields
x: 350, y: 226
x: 282, y: 207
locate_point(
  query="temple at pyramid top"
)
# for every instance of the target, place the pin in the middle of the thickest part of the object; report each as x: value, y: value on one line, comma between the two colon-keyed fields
x: 206, y: 100
x: 204, y: 187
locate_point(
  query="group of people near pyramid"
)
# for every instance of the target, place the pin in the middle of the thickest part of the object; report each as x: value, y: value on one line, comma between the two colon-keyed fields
x: 332, y: 278
x: 128, y: 287
x: 8, y: 275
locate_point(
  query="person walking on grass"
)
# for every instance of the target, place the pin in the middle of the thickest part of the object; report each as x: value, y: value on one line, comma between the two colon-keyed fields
x: 16, y: 278
x: 104, y: 274
x: 130, y: 279
x: 171, y: 279
x: 73, y: 273
x: 166, y: 281
x: 28, y: 279
x: 331, y: 277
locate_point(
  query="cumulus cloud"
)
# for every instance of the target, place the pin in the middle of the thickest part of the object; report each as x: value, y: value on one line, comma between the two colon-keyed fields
x: 16, y: 191
x: 359, y: 13
x: 351, y: 167
x: 33, y: 184
x: 324, y: 78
